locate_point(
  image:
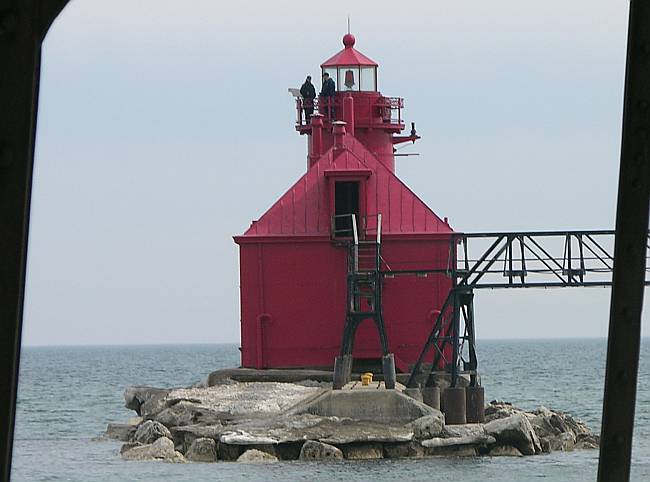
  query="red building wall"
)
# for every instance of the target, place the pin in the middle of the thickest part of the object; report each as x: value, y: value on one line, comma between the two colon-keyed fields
x: 293, y: 301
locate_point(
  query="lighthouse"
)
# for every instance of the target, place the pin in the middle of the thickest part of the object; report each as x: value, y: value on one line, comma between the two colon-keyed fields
x: 349, y: 264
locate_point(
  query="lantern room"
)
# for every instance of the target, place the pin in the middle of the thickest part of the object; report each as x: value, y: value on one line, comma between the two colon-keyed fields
x: 351, y: 70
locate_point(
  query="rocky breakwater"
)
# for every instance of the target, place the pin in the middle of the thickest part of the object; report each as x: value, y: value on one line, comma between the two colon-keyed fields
x: 258, y: 422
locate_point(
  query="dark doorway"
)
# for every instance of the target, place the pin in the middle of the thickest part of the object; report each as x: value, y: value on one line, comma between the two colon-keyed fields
x: 346, y: 202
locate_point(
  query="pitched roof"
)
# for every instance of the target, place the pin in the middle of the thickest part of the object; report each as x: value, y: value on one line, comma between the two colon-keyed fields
x: 348, y: 56
x: 304, y: 208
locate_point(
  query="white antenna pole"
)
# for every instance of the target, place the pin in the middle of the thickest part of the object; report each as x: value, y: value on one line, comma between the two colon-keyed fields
x: 348, y: 23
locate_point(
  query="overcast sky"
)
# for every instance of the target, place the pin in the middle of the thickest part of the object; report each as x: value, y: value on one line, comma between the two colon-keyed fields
x: 165, y: 128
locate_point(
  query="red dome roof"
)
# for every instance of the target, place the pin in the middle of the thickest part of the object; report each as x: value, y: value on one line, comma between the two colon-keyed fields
x: 349, y: 55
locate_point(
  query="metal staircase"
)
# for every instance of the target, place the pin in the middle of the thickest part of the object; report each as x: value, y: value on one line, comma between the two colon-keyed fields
x: 363, y: 293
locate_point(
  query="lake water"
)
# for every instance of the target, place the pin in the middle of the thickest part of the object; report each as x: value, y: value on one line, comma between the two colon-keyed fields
x: 67, y: 395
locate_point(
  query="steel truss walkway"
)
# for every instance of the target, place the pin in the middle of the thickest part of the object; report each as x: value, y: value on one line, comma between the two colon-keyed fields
x: 544, y: 259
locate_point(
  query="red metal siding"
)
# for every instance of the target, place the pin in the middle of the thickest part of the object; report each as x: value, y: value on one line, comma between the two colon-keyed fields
x: 304, y: 208
x: 294, y: 302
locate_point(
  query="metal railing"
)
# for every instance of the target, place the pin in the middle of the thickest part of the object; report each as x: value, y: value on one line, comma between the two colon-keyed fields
x: 366, y: 233
x: 385, y: 110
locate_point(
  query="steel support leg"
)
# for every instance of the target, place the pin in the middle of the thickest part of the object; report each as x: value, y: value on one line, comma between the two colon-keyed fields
x: 23, y: 25
x: 629, y: 255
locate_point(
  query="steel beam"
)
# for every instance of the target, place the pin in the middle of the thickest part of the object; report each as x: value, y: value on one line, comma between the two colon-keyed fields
x: 23, y: 25
x: 629, y: 254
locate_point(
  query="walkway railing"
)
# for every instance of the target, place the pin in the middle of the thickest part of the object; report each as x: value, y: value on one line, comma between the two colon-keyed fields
x: 386, y: 110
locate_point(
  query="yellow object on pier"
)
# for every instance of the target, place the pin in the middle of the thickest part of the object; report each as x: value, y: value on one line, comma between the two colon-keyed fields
x: 366, y: 379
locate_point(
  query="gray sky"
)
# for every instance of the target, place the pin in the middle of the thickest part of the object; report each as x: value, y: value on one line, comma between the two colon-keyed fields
x: 163, y: 132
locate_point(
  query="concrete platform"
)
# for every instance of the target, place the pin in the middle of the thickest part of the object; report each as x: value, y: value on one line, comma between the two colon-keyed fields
x: 366, y: 403
x: 294, y: 375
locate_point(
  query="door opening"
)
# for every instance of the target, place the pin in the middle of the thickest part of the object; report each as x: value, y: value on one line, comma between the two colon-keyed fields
x: 346, y: 201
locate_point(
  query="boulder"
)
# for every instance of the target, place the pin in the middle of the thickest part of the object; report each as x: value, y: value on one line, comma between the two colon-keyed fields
x: 119, y: 431
x: 428, y: 426
x: 146, y: 401
x: 517, y: 431
x: 241, y: 437
x: 186, y: 412
x: 313, y: 450
x: 457, y: 441
x: 202, y: 450
x: 149, y: 431
x: 563, y: 442
x: 363, y: 451
x: 129, y: 446
x: 185, y: 435
x: 505, y: 451
x: 161, y: 449
x: 296, y: 428
x: 498, y: 409
x: 238, y: 399
x: 587, y: 441
x: 577, y: 426
x: 452, y: 451
x: 467, y: 430
x: 255, y: 456
x: 403, y: 450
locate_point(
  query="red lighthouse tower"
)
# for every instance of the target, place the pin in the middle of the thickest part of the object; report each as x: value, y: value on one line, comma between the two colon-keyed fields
x: 320, y: 270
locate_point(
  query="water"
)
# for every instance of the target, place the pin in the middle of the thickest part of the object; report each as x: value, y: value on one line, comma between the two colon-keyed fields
x: 67, y: 395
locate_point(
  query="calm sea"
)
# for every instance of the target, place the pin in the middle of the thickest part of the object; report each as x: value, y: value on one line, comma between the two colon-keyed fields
x: 67, y: 396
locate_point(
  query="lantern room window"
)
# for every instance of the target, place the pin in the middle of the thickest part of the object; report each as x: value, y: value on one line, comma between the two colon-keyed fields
x: 368, y: 79
x: 353, y: 78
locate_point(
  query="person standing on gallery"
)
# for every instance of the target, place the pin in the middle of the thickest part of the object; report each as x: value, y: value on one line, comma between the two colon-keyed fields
x: 308, y: 93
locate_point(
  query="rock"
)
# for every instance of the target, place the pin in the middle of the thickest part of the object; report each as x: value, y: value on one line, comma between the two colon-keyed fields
x: 498, y: 409
x: 428, y: 426
x: 313, y: 450
x: 202, y: 450
x: 119, y: 431
x: 129, y: 446
x: 146, y: 401
x: 452, y: 451
x: 517, y: 431
x: 545, y: 445
x: 403, y: 450
x: 161, y: 449
x: 363, y: 451
x: 558, y: 430
x: 347, y: 433
x: 297, y: 428
x: 185, y: 412
x: 456, y: 441
x: 149, y: 431
x: 505, y: 451
x: 185, y: 435
x: 229, y: 452
x: 241, y: 437
x: 245, y: 398
x: 254, y: 456
x: 587, y: 441
x: 563, y: 442
x: 467, y: 430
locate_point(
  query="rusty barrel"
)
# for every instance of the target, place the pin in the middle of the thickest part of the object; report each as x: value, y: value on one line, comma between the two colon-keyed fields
x: 431, y: 396
x: 454, y: 406
x: 475, y: 404
x: 388, y: 367
x: 342, y: 371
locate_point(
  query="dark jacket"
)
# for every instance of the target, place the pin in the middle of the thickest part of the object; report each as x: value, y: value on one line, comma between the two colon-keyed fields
x: 308, y: 91
x: 329, y: 88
